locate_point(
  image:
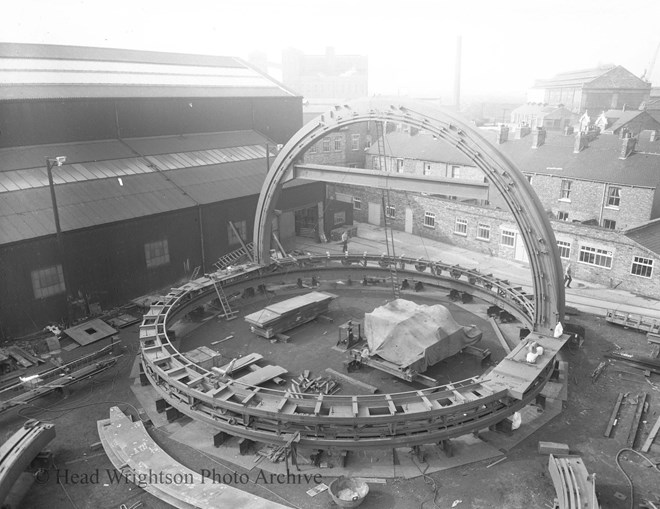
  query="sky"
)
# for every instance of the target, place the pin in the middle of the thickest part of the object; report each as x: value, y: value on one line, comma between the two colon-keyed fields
x: 411, y: 44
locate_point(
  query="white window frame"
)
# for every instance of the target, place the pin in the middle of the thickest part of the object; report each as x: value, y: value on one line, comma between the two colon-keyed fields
x: 337, y: 143
x: 429, y: 220
x: 481, y: 228
x: 312, y: 149
x: 399, y: 165
x: 48, y: 281
x: 564, y: 248
x: 357, y: 203
x: 461, y: 226
x: 390, y: 211
x: 326, y: 144
x: 157, y: 253
x: 355, y: 141
x: 613, y: 198
x: 455, y: 172
x: 427, y: 168
x: 598, y: 255
x: 508, y: 234
x: 641, y: 264
x: 565, y: 190
x: 611, y: 221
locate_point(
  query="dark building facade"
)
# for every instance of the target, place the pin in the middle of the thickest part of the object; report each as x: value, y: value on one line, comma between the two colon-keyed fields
x: 161, y: 152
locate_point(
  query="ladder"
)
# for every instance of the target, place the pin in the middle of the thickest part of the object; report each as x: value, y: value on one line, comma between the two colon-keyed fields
x: 394, y: 275
x: 236, y: 256
x: 228, y: 314
x: 195, y: 273
x: 382, y: 166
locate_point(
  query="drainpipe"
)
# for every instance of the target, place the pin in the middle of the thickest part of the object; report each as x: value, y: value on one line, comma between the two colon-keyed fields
x: 602, y: 205
x: 201, y: 237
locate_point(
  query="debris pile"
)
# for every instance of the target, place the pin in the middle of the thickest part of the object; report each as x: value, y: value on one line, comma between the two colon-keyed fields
x: 319, y: 385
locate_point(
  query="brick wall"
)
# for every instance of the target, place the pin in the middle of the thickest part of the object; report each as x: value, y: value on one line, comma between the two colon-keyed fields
x: 446, y: 212
x: 588, y: 200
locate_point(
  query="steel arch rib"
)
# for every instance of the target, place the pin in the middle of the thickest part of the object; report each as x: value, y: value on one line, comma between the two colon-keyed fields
x: 528, y: 212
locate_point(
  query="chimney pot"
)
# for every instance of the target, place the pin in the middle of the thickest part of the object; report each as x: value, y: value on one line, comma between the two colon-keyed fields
x: 627, y: 146
x: 581, y: 142
x: 502, y: 134
x: 538, y: 137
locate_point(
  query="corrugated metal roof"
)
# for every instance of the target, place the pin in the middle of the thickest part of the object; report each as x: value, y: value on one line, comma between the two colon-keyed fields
x: 647, y: 235
x: 89, y: 194
x: 40, y: 71
x: 15, y: 180
x: 189, y: 142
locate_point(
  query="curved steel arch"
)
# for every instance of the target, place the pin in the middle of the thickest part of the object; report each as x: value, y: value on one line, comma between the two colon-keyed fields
x: 533, y: 223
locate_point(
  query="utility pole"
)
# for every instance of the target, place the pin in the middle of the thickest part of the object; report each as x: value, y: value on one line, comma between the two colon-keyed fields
x: 50, y: 163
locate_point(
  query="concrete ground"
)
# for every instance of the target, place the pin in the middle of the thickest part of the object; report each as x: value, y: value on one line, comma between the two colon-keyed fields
x: 520, y: 481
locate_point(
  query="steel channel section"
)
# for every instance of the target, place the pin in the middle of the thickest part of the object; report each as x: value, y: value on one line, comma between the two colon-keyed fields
x: 528, y: 212
x: 486, y: 403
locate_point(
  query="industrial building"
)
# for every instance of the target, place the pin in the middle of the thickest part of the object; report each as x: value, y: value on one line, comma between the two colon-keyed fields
x: 158, y: 152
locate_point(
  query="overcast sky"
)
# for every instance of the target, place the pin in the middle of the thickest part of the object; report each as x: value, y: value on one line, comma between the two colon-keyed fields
x: 411, y: 44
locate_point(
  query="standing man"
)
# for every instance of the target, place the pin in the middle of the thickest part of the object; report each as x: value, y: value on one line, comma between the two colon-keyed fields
x: 567, y: 276
x: 344, y: 239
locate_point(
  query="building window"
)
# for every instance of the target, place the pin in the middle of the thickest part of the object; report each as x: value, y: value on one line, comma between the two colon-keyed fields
x: 47, y: 282
x: 326, y: 144
x: 157, y: 253
x: 460, y: 226
x: 357, y: 204
x: 508, y: 238
x: 595, y: 256
x: 613, y: 196
x: 241, y: 227
x: 429, y: 219
x: 642, y: 267
x: 563, y: 216
x: 483, y: 231
x: 609, y: 224
x: 564, y: 249
x: 427, y: 168
x: 390, y: 211
x: 455, y: 172
x: 337, y: 143
x: 340, y: 217
x: 312, y: 149
x: 376, y: 164
x: 355, y: 142
x: 565, y: 190
x: 399, y: 165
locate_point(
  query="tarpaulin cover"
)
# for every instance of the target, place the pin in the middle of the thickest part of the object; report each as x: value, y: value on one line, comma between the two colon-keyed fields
x: 414, y: 335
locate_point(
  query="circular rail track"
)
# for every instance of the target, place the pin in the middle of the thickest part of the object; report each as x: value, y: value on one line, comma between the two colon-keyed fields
x: 342, y: 421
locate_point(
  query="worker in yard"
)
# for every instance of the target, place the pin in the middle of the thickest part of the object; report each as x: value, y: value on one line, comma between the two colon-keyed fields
x: 344, y: 239
x: 567, y: 276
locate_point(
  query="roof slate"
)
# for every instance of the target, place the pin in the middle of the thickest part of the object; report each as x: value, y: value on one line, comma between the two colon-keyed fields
x: 647, y: 235
x: 422, y: 147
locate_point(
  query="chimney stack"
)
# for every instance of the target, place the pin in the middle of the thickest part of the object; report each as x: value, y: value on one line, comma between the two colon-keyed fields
x: 502, y: 134
x: 627, y: 146
x: 538, y: 137
x: 581, y: 142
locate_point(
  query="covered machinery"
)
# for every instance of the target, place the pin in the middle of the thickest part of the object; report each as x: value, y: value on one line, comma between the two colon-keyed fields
x: 416, y: 336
